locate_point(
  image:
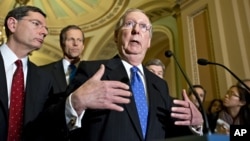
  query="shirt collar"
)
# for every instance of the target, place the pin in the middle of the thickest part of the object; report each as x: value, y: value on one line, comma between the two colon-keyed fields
x: 9, y: 57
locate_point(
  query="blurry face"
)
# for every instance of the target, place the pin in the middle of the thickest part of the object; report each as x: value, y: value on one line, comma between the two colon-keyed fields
x: 216, y: 107
x: 201, y: 95
x: 73, y: 44
x: 156, y: 70
x: 132, y: 40
x: 232, y: 98
x: 30, y: 31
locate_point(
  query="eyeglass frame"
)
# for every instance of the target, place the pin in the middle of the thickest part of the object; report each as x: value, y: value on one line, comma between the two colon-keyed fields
x: 231, y: 93
x: 38, y: 24
x: 130, y: 24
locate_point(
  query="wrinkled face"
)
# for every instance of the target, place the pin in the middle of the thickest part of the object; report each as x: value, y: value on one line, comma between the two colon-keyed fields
x: 216, y: 107
x: 201, y: 95
x: 232, y: 98
x: 156, y: 70
x: 73, y: 44
x: 134, y: 36
x: 29, y: 31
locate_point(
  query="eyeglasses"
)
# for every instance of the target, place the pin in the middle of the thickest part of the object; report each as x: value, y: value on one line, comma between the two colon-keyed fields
x: 37, y: 24
x: 131, y: 24
x: 231, y: 93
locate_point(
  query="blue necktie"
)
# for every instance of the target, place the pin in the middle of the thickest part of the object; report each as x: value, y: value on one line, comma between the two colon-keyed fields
x: 72, y: 72
x: 140, y: 98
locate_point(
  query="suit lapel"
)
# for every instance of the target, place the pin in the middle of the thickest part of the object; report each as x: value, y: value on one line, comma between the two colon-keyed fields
x: 116, y: 71
x: 32, y: 96
x: 3, y: 89
x: 59, y: 75
x: 153, y: 97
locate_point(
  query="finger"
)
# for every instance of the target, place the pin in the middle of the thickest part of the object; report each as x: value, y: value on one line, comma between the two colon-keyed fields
x: 98, y: 75
x: 121, y: 100
x: 184, y: 94
x: 181, y: 116
x: 181, y: 110
x: 114, y: 107
x: 116, y: 84
x: 181, y: 103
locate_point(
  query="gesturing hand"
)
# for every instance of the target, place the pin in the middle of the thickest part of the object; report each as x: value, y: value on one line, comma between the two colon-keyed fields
x: 186, y: 112
x: 100, y: 94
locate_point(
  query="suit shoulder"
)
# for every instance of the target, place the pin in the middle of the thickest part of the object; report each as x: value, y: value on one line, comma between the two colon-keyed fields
x: 51, y: 65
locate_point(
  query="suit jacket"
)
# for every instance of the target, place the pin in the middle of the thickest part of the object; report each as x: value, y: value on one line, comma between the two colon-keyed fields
x: 38, y: 88
x: 58, y: 75
x: 107, y: 125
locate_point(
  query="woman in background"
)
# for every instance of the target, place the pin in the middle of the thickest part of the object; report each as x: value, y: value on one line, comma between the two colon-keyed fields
x: 236, y: 109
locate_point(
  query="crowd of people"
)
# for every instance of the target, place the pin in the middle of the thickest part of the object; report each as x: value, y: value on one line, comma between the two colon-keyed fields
x: 98, y: 100
x: 100, y: 103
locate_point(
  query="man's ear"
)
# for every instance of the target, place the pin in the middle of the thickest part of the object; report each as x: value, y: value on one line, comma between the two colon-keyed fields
x: 11, y: 23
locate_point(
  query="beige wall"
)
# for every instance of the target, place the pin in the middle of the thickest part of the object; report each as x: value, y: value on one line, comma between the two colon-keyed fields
x: 217, y: 30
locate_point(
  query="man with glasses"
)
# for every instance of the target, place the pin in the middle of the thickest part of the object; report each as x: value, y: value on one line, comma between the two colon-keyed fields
x: 23, y: 87
x: 29, y: 110
x: 161, y: 114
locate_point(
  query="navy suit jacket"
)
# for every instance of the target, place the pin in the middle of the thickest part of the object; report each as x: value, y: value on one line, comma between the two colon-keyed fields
x: 107, y: 125
x: 58, y: 75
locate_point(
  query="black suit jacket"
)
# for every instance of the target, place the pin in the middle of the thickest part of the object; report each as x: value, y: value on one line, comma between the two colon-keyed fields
x: 58, y: 75
x: 107, y: 125
x: 38, y: 89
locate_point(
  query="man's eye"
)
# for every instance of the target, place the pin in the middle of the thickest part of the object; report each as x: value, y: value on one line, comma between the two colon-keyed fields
x: 35, y: 23
x: 143, y: 26
x: 129, y: 23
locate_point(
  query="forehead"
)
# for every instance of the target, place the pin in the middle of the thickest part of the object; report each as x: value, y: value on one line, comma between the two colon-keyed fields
x: 74, y: 32
x: 137, y: 15
x: 233, y: 89
x: 199, y: 89
x: 35, y: 14
x: 155, y: 67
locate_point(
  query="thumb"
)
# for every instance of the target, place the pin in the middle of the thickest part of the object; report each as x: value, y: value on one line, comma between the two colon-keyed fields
x: 185, y: 97
x: 98, y: 75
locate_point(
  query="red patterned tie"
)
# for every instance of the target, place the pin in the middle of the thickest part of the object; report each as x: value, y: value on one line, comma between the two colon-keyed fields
x: 16, y: 104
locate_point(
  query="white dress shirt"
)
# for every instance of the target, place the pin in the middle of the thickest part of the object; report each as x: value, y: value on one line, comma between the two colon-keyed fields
x: 9, y: 59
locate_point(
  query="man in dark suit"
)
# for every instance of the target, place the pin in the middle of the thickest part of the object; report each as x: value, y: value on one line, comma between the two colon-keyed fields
x: 133, y: 35
x: 72, y: 45
x: 26, y: 29
x: 42, y: 113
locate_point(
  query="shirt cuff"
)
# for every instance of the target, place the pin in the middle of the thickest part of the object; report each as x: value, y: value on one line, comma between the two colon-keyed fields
x: 197, y: 129
x: 72, y: 119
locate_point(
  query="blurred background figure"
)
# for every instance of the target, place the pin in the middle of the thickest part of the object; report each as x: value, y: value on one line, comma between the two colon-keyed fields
x: 236, y: 109
x: 156, y: 66
x: 214, y: 108
x: 247, y: 82
x: 63, y: 71
x: 201, y: 93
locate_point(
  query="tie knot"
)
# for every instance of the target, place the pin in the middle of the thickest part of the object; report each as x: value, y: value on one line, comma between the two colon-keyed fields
x: 72, y: 66
x: 134, y: 69
x: 18, y: 63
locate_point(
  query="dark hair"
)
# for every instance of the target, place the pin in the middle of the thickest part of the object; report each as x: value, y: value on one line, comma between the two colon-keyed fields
x: 244, y: 81
x: 244, y: 113
x: 196, y: 86
x: 63, y: 34
x: 212, y: 103
x: 18, y: 13
x: 156, y: 62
